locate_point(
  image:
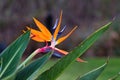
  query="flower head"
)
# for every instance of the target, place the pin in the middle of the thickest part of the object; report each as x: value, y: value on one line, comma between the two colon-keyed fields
x: 44, y: 35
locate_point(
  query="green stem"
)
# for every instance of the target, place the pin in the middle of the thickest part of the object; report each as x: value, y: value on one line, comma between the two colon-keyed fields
x: 28, y: 59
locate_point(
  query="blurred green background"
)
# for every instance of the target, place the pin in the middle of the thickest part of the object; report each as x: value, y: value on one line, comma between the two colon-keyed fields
x: 76, y: 69
x: 88, y: 15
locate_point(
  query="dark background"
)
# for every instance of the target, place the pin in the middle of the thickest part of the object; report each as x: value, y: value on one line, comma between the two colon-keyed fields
x: 88, y: 15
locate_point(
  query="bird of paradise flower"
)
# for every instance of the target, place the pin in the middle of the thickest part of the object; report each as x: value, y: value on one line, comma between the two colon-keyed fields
x: 44, y: 35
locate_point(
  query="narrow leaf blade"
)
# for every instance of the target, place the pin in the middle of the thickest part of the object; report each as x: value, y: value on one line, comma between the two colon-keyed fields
x: 32, y: 69
x: 11, y: 56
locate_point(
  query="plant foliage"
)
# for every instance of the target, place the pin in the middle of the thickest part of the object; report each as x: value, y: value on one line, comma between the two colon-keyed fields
x: 11, y: 68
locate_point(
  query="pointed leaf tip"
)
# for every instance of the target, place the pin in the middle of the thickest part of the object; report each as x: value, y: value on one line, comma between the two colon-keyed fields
x: 94, y: 74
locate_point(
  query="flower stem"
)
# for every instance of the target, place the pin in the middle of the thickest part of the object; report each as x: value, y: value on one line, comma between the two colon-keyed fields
x: 23, y: 64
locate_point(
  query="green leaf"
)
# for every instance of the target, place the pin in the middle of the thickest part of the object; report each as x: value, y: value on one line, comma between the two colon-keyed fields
x: 55, y: 71
x: 11, y: 56
x: 32, y: 70
x: 92, y: 75
x: 115, y: 77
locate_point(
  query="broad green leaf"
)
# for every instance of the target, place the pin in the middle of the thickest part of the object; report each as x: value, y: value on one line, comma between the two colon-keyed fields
x: 92, y: 75
x: 55, y: 71
x: 31, y: 71
x: 11, y: 56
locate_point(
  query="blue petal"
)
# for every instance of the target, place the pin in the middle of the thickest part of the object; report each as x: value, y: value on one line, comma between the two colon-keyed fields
x: 57, y: 55
x: 55, y: 25
x: 59, y: 33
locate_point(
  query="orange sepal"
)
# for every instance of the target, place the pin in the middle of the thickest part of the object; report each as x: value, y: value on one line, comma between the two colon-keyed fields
x: 81, y: 60
x: 65, y: 53
x: 42, y: 28
x: 58, y: 27
x: 61, y: 51
x: 63, y: 38
x: 38, y: 36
